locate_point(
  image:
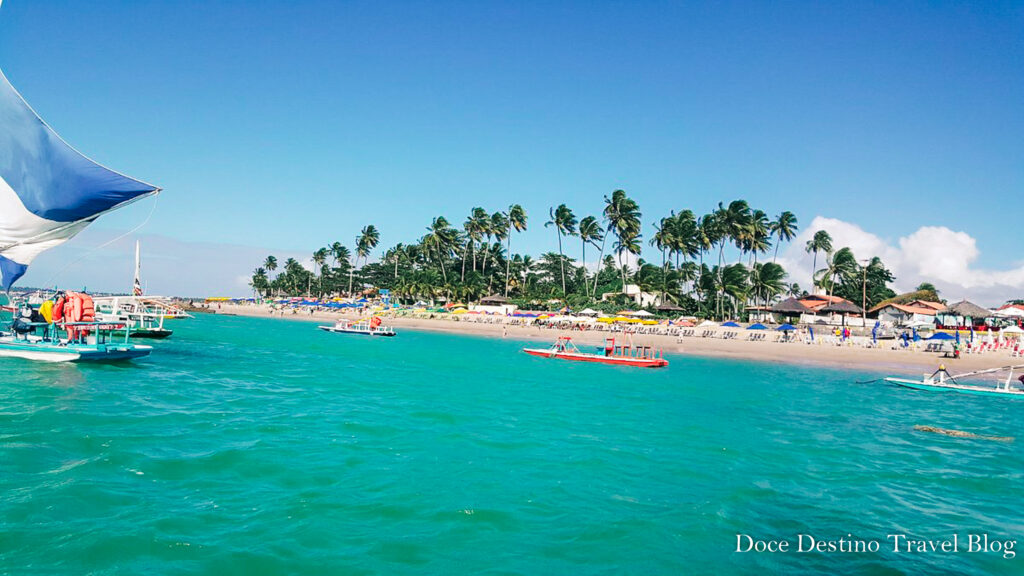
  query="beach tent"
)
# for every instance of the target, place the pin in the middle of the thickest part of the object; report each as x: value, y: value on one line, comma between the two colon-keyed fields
x: 730, y: 324
x: 757, y: 326
x: 1012, y: 330
x: 920, y: 324
x: 786, y: 327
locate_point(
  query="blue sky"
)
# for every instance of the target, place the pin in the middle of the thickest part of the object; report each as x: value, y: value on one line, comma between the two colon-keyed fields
x: 283, y: 126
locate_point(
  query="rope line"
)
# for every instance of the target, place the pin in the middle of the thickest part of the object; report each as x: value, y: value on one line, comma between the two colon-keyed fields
x: 156, y: 198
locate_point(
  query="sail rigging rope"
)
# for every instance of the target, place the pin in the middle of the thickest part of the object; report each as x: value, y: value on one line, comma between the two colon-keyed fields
x: 156, y: 198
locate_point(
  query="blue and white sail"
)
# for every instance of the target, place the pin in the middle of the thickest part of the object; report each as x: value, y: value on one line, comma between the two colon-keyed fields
x: 48, y: 190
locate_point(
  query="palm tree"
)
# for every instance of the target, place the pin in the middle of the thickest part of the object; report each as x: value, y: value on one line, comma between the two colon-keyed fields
x: 517, y: 219
x: 630, y: 245
x: 766, y: 280
x: 368, y: 239
x: 474, y: 229
x: 663, y: 240
x: 564, y: 222
x: 499, y: 229
x: 396, y: 254
x: 623, y: 217
x: 320, y: 258
x: 590, y: 232
x: 440, y: 239
x: 759, y: 233
x: 820, y: 242
x: 259, y: 281
x: 783, y: 228
x: 270, y: 264
x: 736, y: 223
x: 841, y: 264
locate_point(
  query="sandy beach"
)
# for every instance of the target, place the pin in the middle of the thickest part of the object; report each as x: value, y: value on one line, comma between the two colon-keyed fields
x: 882, y: 360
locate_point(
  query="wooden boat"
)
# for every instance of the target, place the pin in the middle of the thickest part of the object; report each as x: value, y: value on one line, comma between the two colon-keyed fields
x: 943, y: 381
x: 92, y: 342
x: 623, y: 355
x: 368, y: 327
x: 143, y: 316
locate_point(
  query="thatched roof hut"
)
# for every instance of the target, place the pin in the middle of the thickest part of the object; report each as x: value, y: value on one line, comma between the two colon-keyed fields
x: 669, y: 308
x: 791, y: 306
x: 967, y: 310
x: 842, y: 307
x: 493, y: 300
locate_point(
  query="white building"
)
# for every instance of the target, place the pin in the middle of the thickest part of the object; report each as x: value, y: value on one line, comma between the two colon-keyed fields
x: 641, y: 298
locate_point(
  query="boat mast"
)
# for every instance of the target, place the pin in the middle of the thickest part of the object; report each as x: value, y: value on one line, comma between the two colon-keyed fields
x: 137, y: 287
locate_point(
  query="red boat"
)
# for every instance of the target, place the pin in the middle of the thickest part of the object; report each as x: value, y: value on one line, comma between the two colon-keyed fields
x: 610, y: 353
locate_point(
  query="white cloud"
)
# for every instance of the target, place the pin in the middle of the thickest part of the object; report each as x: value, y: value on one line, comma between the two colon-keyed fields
x: 933, y: 254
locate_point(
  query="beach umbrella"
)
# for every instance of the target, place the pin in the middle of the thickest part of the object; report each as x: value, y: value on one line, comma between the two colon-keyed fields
x: 730, y: 324
x: 757, y: 326
x: 958, y: 336
x: 707, y: 324
x: 941, y: 336
x: 810, y: 330
x: 874, y: 332
x: 641, y: 313
x: 1012, y: 330
x: 786, y: 327
x: 588, y: 312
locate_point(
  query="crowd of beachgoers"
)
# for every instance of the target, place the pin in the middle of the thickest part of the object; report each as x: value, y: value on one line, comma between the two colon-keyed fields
x: 824, y: 344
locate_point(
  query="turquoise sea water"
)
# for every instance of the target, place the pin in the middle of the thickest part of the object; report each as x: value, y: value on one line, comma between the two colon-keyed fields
x: 256, y: 446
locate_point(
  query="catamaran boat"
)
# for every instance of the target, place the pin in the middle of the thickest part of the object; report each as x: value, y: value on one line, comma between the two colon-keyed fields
x: 369, y: 327
x: 943, y: 381
x: 611, y: 353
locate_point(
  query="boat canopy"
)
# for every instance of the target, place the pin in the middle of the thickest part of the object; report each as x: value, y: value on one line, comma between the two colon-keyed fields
x: 48, y: 190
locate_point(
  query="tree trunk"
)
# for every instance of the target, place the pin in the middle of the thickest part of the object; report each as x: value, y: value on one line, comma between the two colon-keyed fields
x: 508, y: 261
x: 463, y: 278
x: 599, y: 264
x: 585, y: 283
x: 561, y: 258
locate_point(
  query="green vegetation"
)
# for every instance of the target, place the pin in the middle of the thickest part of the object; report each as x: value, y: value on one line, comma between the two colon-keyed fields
x: 708, y: 266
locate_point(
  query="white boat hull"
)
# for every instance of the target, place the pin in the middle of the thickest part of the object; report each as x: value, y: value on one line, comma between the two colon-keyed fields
x: 962, y: 388
x: 49, y: 352
x: 360, y: 332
